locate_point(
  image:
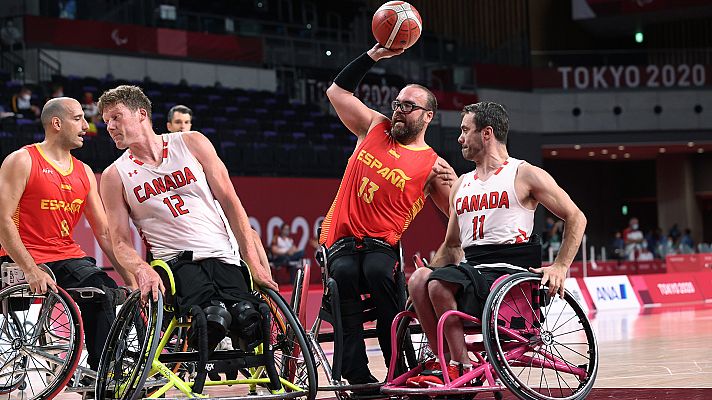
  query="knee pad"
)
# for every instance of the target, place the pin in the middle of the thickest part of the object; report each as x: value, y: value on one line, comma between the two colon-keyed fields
x: 246, y: 325
x: 218, y: 319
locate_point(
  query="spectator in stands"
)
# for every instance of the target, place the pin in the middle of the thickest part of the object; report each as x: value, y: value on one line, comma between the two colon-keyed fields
x: 180, y: 119
x: 57, y: 91
x: 687, y: 245
x: 618, y: 247
x: 91, y: 111
x: 10, y: 36
x: 668, y: 247
x: 22, y: 104
x: 653, y: 240
x: 285, y: 253
x: 634, y: 239
x: 674, y: 232
x: 645, y: 253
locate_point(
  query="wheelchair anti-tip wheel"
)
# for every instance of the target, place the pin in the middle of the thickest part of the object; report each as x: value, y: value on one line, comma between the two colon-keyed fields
x: 40, y: 342
x: 129, y: 349
x: 542, y: 348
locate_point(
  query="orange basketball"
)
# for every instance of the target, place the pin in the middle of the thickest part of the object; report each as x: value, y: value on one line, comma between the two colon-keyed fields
x: 396, y: 25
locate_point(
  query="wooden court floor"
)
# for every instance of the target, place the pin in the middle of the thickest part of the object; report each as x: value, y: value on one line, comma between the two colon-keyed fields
x: 663, y: 353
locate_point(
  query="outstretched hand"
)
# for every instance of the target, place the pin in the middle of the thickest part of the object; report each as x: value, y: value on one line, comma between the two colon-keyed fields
x: 553, y: 276
x: 378, y: 52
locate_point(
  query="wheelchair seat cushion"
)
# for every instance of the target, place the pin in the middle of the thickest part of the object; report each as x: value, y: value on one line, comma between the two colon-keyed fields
x: 200, y: 282
x: 474, y: 285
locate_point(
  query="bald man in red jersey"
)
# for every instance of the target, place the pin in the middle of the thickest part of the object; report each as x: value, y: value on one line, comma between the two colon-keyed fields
x: 45, y: 191
x: 386, y: 183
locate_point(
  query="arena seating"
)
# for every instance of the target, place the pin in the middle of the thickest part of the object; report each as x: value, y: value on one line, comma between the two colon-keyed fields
x: 255, y: 132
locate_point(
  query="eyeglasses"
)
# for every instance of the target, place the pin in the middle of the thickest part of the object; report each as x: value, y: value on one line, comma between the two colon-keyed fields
x: 407, y: 107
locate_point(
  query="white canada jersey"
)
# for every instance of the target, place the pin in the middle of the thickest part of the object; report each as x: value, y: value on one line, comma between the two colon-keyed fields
x: 489, y: 212
x: 173, y: 207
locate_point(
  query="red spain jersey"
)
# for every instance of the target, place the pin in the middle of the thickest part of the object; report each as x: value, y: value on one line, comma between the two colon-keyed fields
x: 381, y: 191
x: 50, y: 208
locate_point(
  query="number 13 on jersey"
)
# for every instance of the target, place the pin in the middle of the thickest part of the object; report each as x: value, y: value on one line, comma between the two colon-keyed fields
x: 367, y: 193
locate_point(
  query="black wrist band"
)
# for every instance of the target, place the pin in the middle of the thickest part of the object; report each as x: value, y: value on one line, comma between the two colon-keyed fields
x: 351, y: 75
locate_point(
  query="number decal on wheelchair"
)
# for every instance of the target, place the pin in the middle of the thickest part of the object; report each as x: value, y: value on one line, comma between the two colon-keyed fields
x: 367, y: 194
x: 12, y: 275
x: 177, y: 209
x: 478, y: 222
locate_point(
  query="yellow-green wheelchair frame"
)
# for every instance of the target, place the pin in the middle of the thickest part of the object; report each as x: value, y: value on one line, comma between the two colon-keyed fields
x: 297, y: 372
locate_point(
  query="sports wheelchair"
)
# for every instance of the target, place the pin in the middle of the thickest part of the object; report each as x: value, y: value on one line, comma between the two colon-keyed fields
x: 147, y: 352
x: 538, y: 347
x: 41, y: 338
x: 330, y: 312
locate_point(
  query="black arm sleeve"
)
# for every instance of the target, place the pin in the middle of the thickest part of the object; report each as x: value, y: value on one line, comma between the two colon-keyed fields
x: 351, y: 75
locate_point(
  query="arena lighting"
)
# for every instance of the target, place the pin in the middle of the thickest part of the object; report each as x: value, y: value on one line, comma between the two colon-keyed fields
x: 604, y: 151
x: 591, y: 153
x: 639, y: 37
x: 554, y: 152
x: 614, y: 156
x: 624, y: 209
x: 621, y: 147
x: 577, y: 147
x: 700, y: 150
x: 661, y: 150
x: 690, y: 144
x: 626, y: 155
x: 328, y: 53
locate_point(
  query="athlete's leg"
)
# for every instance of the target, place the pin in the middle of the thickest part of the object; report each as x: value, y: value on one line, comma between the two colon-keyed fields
x: 378, y: 270
x: 428, y: 319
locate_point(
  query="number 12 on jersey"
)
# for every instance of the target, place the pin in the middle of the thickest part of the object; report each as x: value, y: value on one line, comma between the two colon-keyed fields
x: 478, y: 227
x: 176, y: 209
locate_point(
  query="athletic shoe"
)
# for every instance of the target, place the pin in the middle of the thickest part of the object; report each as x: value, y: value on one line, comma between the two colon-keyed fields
x: 432, y: 375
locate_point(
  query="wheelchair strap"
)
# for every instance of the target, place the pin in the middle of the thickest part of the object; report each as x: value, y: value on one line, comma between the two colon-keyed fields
x: 351, y: 245
x: 520, y: 254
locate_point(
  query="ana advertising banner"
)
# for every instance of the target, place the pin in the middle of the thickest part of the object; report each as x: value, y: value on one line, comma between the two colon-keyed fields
x: 612, y: 292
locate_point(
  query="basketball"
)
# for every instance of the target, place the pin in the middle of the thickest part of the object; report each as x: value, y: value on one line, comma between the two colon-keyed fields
x: 396, y: 25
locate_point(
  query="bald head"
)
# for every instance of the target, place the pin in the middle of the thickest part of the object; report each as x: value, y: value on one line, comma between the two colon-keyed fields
x: 58, y: 107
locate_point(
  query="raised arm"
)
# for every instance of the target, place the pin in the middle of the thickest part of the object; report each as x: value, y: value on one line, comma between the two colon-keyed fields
x: 14, y: 173
x: 95, y: 214
x: 544, y: 189
x: 450, y: 251
x: 117, y: 215
x: 224, y: 192
x: 357, y: 117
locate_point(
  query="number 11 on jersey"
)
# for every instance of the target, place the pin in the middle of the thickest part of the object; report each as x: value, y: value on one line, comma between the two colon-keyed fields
x: 478, y: 222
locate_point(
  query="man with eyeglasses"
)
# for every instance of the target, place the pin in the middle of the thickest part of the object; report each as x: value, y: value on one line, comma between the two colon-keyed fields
x: 387, y: 180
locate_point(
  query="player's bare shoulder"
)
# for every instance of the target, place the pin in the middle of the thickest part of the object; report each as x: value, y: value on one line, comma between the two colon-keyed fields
x: 19, y: 162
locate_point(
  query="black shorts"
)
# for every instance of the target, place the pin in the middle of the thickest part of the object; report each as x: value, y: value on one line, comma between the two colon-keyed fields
x: 471, y: 296
x: 199, y: 282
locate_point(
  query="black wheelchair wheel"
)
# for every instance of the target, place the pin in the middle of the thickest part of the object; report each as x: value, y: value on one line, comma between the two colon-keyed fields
x: 293, y: 358
x: 542, y: 348
x: 129, y: 349
x: 40, y: 342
